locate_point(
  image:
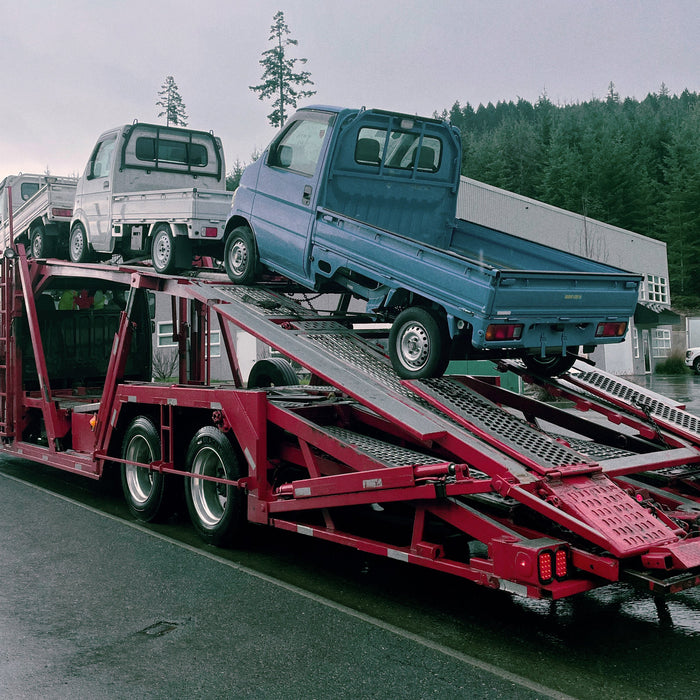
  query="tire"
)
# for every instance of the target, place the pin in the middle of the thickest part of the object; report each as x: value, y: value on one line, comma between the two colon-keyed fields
x: 163, y: 250
x: 241, y: 256
x: 551, y: 365
x: 146, y: 491
x: 42, y: 246
x: 78, y: 247
x: 275, y: 371
x: 217, y: 510
x: 419, y: 343
x: 696, y: 365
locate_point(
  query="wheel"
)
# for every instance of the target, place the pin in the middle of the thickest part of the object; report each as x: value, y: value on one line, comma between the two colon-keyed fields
x: 241, y: 256
x: 217, y: 510
x: 78, y: 247
x: 145, y: 490
x: 696, y: 365
x: 42, y: 245
x: 551, y: 365
x: 275, y: 371
x: 163, y: 250
x: 419, y: 343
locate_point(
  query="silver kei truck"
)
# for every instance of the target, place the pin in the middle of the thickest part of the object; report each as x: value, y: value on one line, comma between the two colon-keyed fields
x: 42, y: 207
x: 151, y: 190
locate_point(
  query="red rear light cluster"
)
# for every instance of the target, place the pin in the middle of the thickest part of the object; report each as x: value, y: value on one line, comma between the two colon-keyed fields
x: 504, y: 331
x: 66, y: 213
x: 210, y: 232
x: 610, y: 330
x: 552, y: 565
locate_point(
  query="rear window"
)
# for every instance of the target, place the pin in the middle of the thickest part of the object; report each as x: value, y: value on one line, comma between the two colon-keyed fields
x: 398, y: 149
x: 28, y: 189
x: 156, y: 150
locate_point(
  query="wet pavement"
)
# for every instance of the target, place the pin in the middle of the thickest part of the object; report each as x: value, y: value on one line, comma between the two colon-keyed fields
x: 95, y: 606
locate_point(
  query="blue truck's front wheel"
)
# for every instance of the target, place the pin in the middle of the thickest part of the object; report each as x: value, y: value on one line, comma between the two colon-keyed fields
x: 419, y: 343
x: 241, y: 256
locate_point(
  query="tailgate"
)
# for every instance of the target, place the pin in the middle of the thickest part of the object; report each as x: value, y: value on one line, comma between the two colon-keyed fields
x: 563, y: 296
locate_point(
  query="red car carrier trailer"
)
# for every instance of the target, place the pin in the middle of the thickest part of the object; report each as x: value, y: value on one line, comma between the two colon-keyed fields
x: 455, y: 473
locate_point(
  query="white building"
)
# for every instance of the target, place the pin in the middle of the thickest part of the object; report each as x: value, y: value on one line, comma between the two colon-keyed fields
x: 649, y: 337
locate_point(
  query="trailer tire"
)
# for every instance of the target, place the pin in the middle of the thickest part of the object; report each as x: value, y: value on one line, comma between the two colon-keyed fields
x: 41, y: 244
x: 241, y: 256
x: 419, y: 343
x: 78, y: 247
x: 164, y: 250
x: 146, y: 491
x: 551, y: 365
x: 275, y: 371
x: 217, y: 510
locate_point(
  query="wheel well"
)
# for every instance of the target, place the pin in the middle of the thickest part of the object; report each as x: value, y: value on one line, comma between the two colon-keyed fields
x: 234, y: 222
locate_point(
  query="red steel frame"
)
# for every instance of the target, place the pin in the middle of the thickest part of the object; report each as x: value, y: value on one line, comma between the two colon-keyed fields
x: 594, y: 519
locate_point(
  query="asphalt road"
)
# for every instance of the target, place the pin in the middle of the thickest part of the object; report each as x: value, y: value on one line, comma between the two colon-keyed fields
x: 94, y: 605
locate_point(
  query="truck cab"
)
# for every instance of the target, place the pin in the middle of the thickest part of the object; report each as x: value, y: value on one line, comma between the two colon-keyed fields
x: 144, y: 178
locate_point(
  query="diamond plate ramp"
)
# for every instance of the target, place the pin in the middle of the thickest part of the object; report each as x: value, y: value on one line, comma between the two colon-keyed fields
x: 628, y: 528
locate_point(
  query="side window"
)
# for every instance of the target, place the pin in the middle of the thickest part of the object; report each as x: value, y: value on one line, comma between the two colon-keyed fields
x: 28, y: 190
x: 101, y: 161
x: 299, y: 147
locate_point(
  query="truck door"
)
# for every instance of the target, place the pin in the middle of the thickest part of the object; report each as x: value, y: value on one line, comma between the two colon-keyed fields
x: 285, y: 196
x: 96, y: 195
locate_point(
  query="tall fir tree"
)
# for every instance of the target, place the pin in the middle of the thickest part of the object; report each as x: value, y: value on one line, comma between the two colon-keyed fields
x: 281, y: 80
x: 172, y: 104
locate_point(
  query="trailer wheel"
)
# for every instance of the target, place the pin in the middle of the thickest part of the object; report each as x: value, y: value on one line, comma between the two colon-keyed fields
x: 145, y: 490
x: 163, y: 250
x: 241, y: 256
x: 217, y: 510
x: 275, y: 371
x: 551, y: 365
x: 42, y: 245
x: 419, y: 343
x: 78, y: 248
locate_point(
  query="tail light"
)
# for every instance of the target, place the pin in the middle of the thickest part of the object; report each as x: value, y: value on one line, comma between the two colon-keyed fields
x: 66, y: 213
x: 504, y: 331
x: 610, y: 330
x: 552, y: 565
x: 210, y: 232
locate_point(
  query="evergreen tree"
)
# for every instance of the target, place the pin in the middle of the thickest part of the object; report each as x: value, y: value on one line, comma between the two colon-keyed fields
x: 280, y: 77
x: 171, y: 102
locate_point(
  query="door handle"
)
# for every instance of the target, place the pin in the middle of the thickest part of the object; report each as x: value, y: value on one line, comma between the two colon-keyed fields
x: 306, y: 198
x: 105, y: 185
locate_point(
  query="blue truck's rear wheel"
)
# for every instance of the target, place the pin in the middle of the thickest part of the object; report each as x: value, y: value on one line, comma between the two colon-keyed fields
x: 551, y: 365
x: 419, y: 343
x: 241, y: 256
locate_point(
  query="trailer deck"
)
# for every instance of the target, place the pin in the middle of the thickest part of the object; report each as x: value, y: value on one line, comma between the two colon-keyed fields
x: 455, y: 474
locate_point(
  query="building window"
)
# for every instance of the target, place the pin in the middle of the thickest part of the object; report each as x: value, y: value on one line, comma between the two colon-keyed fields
x: 635, y: 343
x: 164, y: 337
x: 215, y: 344
x: 660, y: 342
x: 655, y: 289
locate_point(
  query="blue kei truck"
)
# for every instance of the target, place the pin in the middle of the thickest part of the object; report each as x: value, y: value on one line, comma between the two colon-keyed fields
x: 364, y: 201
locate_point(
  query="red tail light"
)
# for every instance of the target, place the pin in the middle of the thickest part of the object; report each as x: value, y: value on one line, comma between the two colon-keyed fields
x: 506, y: 331
x: 552, y: 565
x: 66, y: 213
x: 544, y: 566
x: 210, y: 232
x: 610, y: 330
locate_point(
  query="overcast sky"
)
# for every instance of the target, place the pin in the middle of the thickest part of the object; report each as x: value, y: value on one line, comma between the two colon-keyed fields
x: 71, y: 69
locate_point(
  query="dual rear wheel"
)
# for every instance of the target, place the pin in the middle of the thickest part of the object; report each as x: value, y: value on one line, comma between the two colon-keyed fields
x: 217, y: 510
